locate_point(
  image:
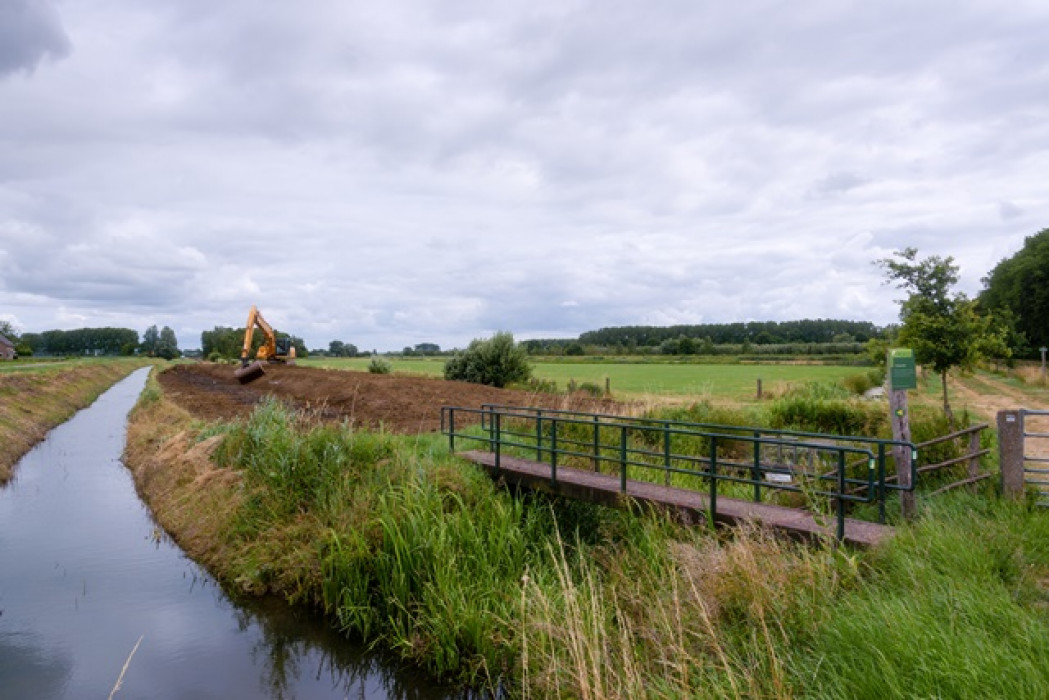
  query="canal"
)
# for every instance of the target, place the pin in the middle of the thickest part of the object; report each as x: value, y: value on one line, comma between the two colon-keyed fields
x: 92, y: 591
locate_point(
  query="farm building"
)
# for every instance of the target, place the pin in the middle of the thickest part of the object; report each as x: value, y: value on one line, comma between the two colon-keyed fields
x: 7, y: 349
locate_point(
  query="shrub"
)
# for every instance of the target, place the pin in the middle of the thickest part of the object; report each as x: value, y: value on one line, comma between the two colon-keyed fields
x: 497, y: 361
x: 542, y: 386
x: 592, y: 389
x: 379, y: 366
x: 859, y: 384
x: 825, y: 408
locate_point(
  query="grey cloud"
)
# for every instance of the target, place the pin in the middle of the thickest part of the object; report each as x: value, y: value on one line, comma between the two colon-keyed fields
x: 30, y: 30
x: 412, y: 172
x: 1008, y: 210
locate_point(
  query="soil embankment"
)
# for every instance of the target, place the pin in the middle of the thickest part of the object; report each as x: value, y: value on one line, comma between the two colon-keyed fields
x: 398, y: 403
x: 34, y: 402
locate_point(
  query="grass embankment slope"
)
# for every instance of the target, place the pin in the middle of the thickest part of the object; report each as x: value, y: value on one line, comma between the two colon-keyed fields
x: 35, y: 397
x: 406, y: 547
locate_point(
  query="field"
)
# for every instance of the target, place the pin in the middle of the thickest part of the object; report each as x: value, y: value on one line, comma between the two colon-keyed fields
x: 631, y: 380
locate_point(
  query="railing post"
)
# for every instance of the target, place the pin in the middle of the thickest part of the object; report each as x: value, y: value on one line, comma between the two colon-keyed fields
x: 597, y: 444
x: 553, y: 451
x: 755, y: 472
x: 497, y: 440
x: 881, y: 482
x: 666, y: 454
x: 841, y: 495
x: 713, y: 478
x: 451, y: 430
x: 622, y: 458
x: 539, y: 436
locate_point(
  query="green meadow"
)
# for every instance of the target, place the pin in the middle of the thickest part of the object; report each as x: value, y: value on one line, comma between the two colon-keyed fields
x: 733, y: 381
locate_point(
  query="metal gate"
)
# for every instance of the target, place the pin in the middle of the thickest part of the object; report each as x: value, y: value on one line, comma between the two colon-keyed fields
x: 1035, y: 427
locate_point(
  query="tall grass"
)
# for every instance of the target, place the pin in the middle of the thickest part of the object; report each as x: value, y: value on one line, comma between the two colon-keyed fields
x: 955, y: 606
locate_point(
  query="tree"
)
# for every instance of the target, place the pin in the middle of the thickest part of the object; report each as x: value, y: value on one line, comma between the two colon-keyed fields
x: 226, y: 342
x: 338, y: 348
x: 151, y: 341
x: 942, y: 326
x: 7, y: 329
x: 497, y: 361
x: 1020, y: 284
x: 167, y: 344
x: 427, y: 348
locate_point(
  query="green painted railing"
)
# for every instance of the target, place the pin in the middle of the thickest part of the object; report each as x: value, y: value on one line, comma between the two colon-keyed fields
x: 699, y: 457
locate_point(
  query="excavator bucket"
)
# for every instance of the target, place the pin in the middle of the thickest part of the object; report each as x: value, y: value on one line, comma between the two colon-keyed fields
x: 249, y: 373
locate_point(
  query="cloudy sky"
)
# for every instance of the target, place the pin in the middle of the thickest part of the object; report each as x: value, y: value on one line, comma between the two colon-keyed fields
x: 397, y: 172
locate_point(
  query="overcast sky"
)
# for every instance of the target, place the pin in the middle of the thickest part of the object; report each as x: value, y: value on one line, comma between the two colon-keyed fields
x: 391, y: 173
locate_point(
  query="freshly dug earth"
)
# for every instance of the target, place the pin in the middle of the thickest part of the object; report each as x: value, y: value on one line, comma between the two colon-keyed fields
x: 398, y: 403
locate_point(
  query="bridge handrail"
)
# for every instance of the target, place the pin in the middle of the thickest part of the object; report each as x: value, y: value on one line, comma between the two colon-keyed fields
x: 625, y: 456
x: 882, y: 445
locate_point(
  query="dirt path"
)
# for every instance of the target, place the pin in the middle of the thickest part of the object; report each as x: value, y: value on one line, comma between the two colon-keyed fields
x: 400, y: 403
x: 986, y: 395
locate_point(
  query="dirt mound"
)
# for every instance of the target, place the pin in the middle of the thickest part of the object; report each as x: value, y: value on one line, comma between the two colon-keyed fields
x: 400, y: 403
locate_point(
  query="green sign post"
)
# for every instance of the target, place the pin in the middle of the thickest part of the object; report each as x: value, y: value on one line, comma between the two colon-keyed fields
x: 903, y: 375
x: 902, y: 372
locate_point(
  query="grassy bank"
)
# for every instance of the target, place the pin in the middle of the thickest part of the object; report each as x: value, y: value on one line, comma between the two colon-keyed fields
x: 35, y: 397
x: 408, y: 548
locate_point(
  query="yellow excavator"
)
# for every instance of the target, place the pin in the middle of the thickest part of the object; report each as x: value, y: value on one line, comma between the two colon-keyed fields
x: 273, y: 349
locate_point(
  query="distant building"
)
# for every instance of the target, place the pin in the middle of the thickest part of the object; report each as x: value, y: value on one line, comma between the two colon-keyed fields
x: 7, y: 349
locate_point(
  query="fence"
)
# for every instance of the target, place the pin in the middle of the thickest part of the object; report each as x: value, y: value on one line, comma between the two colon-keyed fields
x: 754, y: 463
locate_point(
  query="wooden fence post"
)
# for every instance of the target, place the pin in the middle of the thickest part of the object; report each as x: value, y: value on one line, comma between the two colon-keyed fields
x: 901, y: 430
x: 1011, y: 452
x: 974, y: 449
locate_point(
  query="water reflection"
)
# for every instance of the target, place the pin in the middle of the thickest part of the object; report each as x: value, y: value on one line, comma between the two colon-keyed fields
x: 84, y: 574
x: 29, y: 670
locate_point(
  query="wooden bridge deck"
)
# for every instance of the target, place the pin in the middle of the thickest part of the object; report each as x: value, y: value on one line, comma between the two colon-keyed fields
x: 605, y: 489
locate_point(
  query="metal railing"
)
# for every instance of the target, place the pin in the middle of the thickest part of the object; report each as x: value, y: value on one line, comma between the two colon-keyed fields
x: 748, y: 462
x: 1035, y: 461
x: 883, y: 448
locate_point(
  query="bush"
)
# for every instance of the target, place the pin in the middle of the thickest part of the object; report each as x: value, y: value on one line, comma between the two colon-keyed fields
x: 542, y: 386
x: 497, y: 362
x: 860, y: 384
x: 825, y: 408
x: 379, y: 366
x: 592, y: 389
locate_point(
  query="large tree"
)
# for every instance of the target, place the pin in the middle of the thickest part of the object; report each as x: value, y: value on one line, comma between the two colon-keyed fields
x: 167, y: 345
x: 1020, y: 284
x: 941, y: 325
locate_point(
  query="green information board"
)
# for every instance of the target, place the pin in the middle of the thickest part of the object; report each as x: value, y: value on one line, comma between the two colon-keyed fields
x: 902, y: 372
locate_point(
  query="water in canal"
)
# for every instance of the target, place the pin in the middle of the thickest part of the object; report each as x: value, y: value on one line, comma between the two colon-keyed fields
x: 85, y: 576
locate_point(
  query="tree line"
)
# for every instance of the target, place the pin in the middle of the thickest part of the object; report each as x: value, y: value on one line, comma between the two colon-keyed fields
x: 98, y: 341
x: 1016, y: 291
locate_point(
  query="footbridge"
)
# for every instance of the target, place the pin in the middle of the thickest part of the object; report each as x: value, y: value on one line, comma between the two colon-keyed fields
x: 809, y: 485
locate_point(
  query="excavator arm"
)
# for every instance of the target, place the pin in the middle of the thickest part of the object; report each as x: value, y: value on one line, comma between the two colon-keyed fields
x: 271, y: 350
